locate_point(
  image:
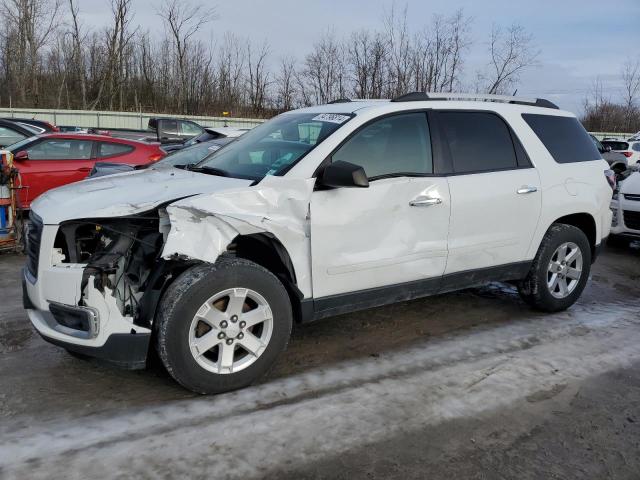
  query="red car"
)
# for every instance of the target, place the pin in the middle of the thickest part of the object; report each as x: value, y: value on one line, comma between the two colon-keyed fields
x: 55, y: 159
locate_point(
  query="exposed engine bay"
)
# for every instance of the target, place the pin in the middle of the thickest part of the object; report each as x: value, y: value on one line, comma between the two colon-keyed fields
x: 122, y: 260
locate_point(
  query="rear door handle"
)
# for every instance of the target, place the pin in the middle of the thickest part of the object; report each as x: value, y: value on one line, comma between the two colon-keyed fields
x: 527, y: 189
x: 425, y: 201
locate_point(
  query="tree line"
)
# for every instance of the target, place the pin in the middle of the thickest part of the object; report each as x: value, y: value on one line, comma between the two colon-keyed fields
x: 602, y: 114
x: 50, y: 58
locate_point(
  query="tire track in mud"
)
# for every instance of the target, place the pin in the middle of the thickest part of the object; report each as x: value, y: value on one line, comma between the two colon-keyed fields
x: 306, y: 417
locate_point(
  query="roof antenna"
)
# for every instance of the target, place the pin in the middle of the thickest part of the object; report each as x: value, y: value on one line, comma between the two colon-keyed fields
x: 514, y: 93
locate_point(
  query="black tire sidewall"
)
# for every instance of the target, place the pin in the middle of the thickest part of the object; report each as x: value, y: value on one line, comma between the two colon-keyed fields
x: 559, y: 235
x: 181, y: 305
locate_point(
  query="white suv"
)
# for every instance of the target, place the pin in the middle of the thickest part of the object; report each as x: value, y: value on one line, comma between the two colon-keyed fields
x: 625, y: 206
x: 317, y: 212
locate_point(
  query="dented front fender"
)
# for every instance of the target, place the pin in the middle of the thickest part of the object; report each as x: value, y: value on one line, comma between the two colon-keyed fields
x: 202, y: 227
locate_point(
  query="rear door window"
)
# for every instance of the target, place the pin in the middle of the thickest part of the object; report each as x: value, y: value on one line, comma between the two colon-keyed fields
x: 564, y: 137
x: 621, y: 146
x: 478, y: 141
x: 107, y: 149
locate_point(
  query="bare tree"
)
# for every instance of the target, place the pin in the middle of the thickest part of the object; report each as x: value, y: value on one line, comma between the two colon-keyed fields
x: 286, y: 84
x: 511, y: 51
x: 31, y: 23
x: 367, y: 55
x: 437, y: 53
x: 77, y: 59
x: 324, y: 77
x: 400, y: 60
x: 231, y: 64
x: 258, y: 77
x: 631, y: 85
x: 183, y: 22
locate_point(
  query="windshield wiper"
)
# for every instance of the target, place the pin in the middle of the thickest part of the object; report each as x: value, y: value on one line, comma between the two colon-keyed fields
x: 209, y: 170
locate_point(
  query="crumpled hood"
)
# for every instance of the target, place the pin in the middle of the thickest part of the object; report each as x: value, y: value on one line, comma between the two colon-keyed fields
x: 631, y: 184
x: 126, y: 193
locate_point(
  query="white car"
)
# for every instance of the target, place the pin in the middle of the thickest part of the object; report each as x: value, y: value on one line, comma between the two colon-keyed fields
x: 626, y: 210
x: 629, y: 148
x: 317, y: 212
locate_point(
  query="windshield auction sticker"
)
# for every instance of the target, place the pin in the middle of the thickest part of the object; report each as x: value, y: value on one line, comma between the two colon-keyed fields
x: 331, y: 118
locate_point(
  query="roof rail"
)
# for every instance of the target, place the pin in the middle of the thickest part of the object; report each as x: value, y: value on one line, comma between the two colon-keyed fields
x: 481, y: 97
x: 339, y: 100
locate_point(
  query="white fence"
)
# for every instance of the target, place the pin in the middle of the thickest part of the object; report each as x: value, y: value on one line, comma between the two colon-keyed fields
x: 139, y: 120
x: 121, y: 120
x: 621, y: 136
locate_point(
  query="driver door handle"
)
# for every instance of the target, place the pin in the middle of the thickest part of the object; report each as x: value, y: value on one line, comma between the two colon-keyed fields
x: 527, y: 189
x: 425, y: 201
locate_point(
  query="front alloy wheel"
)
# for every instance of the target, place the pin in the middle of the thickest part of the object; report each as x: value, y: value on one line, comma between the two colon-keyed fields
x: 221, y: 326
x: 230, y: 330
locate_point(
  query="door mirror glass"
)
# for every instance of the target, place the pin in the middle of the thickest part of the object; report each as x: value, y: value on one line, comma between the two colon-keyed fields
x: 343, y: 174
x: 21, y: 156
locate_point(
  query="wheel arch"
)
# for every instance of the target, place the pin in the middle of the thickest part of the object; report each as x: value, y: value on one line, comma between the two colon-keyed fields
x: 267, y: 251
x: 585, y: 222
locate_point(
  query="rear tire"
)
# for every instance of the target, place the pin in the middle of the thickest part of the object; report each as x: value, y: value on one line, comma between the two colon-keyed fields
x: 211, y: 319
x: 559, y: 271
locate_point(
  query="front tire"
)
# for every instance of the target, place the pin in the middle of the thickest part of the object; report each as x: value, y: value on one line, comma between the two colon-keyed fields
x: 559, y: 271
x: 220, y: 327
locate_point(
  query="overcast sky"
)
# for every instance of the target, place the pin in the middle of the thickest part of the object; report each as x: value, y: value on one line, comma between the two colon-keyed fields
x: 578, y: 39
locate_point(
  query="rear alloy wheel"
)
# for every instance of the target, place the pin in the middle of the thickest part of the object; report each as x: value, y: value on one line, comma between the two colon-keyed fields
x: 221, y: 327
x: 559, y: 271
x: 565, y: 270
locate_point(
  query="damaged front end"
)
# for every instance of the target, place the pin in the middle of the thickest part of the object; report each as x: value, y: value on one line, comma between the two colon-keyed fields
x: 99, y: 295
x: 96, y: 283
x: 123, y: 273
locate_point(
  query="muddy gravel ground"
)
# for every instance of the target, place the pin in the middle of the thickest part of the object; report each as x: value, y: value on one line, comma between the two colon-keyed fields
x: 466, y: 385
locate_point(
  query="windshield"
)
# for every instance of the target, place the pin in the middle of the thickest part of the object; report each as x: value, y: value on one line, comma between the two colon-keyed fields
x: 190, y: 155
x: 275, y: 146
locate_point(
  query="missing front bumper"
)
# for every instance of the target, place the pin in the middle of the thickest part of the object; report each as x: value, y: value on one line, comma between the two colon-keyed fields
x: 125, y: 350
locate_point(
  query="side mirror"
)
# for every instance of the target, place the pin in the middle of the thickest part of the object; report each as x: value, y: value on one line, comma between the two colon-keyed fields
x: 21, y: 156
x: 343, y: 174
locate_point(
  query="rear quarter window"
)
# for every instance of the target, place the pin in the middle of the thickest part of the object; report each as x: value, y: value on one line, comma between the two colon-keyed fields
x: 564, y: 137
x: 112, y: 149
x: 616, y: 145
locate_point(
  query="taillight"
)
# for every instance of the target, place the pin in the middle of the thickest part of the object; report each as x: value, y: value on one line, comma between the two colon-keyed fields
x: 155, y: 157
x: 610, y: 175
x: 627, y: 154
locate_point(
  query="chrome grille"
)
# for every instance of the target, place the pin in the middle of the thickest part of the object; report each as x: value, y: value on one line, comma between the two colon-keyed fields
x: 630, y: 196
